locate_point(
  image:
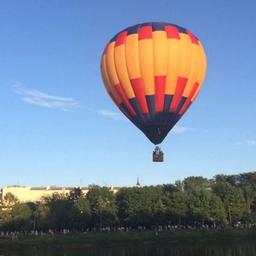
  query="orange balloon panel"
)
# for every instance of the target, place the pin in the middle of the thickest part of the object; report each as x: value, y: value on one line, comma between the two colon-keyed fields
x: 153, y: 72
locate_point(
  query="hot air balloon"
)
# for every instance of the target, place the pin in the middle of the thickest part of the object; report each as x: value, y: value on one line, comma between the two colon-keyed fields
x: 153, y: 72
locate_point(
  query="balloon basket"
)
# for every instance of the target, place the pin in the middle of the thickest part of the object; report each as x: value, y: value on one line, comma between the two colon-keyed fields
x: 158, y: 155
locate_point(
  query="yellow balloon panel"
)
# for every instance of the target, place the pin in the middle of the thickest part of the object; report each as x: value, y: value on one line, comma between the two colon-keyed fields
x: 147, y: 65
x: 132, y: 56
x: 194, y: 69
x: 185, y: 55
x: 173, y: 65
x: 111, y: 68
x: 160, y: 53
x: 121, y: 69
x: 108, y: 83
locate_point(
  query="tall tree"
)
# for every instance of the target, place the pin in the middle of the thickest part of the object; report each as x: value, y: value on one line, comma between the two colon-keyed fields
x: 199, y: 205
x: 21, y: 217
x: 102, y: 206
x: 176, y: 204
x: 194, y: 183
x: 42, y: 217
x: 9, y: 201
x: 58, y: 205
x: 81, y: 213
x: 232, y: 198
x: 218, y: 214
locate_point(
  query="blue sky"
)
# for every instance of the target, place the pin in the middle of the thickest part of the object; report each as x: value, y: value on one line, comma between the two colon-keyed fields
x: 59, y: 127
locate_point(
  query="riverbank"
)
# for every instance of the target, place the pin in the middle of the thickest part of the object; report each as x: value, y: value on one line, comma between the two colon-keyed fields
x: 177, y: 237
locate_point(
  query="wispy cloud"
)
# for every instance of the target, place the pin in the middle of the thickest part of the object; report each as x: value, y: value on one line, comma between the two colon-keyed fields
x: 250, y: 142
x: 180, y: 129
x: 110, y: 114
x: 42, y: 99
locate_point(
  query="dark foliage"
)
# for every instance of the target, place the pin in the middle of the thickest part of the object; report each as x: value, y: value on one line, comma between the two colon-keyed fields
x: 224, y: 200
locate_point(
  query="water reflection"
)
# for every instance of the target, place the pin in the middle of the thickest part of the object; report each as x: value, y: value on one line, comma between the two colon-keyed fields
x: 244, y: 249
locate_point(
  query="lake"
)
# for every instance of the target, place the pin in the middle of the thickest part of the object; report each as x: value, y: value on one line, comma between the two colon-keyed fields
x: 227, y: 249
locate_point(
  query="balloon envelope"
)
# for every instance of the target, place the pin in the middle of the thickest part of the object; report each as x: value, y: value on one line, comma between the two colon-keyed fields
x: 153, y: 72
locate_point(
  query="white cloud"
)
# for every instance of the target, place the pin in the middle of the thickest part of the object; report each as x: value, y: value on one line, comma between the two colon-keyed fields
x: 42, y: 99
x: 110, y: 114
x: 250, y: 142
x: 180, y: 129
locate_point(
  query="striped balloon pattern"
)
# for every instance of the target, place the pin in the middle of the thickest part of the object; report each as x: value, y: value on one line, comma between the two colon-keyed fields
x: 153, y: 72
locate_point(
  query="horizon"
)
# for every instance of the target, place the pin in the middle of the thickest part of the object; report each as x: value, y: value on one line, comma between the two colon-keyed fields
x: 52, y: 186
x: 59, y: 126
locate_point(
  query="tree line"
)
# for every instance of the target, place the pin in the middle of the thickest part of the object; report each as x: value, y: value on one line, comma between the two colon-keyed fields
x: 194, y: 201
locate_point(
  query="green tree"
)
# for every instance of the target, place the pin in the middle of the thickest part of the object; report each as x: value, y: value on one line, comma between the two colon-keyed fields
x: 60, y: 212
x: 232, y: 198
x: 9, y: 201
x: 249, y: 197
x: 81, y: 213
x: 75, y: 194
x: 199, y: 205
x: 102, y: 206
x: 196, y: 183
x: 179, y: 185
x: 218, y: 213
x: 141, y: 206
x: 254, y: 211
x: 42, y: 216
x: 3, y: 217
x: 176, y: 204
x: 158, y: 208
x: 21, y: 215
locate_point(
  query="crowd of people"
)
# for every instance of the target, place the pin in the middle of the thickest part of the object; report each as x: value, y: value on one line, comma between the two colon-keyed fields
x: 156, y: 229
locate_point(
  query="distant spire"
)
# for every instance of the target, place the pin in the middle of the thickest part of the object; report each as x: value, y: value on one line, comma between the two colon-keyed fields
x: 138, y: 183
